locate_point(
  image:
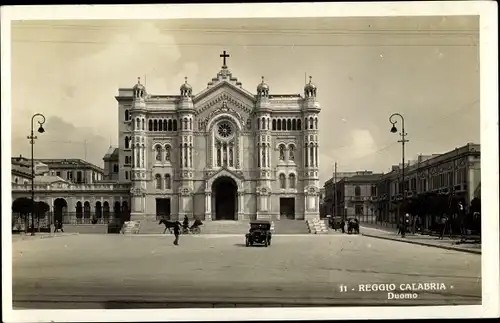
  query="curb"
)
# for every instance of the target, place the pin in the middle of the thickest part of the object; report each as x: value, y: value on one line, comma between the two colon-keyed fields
x: 63, y: 235
x: 425, y: 244
x: 50, y: 236
x: 232, y: 235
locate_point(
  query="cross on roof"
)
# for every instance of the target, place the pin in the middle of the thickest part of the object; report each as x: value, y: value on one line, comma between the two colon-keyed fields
x: 224, y: 55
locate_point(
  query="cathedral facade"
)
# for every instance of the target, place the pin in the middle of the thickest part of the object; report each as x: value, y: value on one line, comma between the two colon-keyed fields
x: 221, y: 154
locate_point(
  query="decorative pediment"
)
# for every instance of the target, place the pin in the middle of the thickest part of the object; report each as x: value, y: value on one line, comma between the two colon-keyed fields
x: 211, y: 176
x: 226, y: 85
x: 228, y: 93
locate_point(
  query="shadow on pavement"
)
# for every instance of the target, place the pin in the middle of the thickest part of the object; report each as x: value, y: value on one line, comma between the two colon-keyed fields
x: 244, y: 245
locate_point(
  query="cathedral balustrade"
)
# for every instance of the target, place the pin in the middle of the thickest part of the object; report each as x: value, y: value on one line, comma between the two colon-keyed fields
x: 72, y: 187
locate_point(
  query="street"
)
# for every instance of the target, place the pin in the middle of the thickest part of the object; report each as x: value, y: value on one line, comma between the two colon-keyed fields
x: 118, y: 271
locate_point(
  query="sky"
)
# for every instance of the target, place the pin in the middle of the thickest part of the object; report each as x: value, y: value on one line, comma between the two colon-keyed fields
x: 425, y: 68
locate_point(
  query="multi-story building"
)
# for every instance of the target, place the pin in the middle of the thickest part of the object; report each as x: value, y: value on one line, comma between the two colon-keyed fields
x: 73, y: 189
x: 330, y: 206
x: 21, y: 170
x: 224, y: 153
x: 72, y: 170
x: 112, y: 165
x: 455, y: 174
x: 357, y: 197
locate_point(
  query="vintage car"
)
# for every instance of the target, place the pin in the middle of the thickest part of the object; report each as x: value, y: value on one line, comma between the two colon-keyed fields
x: 336, y: 223
x: 353, y: 226
x: 259, y: 233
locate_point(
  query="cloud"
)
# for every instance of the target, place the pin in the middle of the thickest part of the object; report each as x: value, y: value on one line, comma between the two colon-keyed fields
x: 52, y: 144
x: 362, y: 143
x: 360, y: 150
x: 77, y: 93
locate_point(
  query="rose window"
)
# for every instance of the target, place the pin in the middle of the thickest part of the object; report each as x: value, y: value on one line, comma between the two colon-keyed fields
x: 225, y: 130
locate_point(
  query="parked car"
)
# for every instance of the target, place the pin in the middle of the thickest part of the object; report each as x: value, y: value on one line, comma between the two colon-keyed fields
x: 336, y: 223
x: 259, y: 233
x: 353, y: 226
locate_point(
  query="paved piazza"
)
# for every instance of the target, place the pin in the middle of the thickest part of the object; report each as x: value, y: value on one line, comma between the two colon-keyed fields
x: 116, y: 271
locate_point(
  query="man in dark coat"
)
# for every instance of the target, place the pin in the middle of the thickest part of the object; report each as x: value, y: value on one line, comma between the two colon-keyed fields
x: 177, y: 232
x: 185, y: 223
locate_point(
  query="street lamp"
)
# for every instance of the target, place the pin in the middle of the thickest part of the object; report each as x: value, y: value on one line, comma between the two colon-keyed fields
x: 403, y: 134
x: 32, y: 138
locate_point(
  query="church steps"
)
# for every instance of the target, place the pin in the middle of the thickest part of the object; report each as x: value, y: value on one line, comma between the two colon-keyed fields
x: 290, y: 227
x: 231, y: 227
x: 317, y: 226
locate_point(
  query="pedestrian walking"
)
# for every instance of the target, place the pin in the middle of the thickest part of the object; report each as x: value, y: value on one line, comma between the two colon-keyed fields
x: 444, y: 221
x: 177, y: 232
x: 406, y: 225
x: 58, y: 226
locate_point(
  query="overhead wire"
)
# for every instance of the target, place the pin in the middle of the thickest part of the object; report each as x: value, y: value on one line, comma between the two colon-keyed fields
x: 232, y: 45
x: 389, y: 145
x: 466, y: 33
x: 241, y: 29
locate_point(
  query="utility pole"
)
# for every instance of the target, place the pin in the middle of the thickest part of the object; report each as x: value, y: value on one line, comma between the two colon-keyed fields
x: 85, y: 147
x: 335, y: 190
x: 403, y: 140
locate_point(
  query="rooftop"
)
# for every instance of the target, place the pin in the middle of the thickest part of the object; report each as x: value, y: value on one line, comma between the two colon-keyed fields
x: 363, y: 178
x: 48, y: 179
x: 63, y: 161
x: 112, y: 153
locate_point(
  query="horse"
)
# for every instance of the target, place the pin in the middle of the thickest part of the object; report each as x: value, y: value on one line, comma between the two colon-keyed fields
x: 169, y: 225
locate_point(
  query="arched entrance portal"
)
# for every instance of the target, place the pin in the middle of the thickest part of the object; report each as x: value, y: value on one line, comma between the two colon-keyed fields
x: 225, y: 200
x: 60, y: 209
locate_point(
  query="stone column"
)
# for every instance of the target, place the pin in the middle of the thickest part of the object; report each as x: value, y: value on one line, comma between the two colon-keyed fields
x: 240, y: 205
x: 208, y: 206
x: 143, y: 158
x: 263, y: 201
x: 136, y: 203
x: 316, y: 156
x: 268, y: 156
x: 190, y: 160
x: 306, y: 155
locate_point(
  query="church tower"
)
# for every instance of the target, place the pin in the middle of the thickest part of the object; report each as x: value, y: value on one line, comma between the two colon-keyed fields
x: 139, y: 155
x: 263, y: 151
x: 185, y: 113
x: 311, y: 109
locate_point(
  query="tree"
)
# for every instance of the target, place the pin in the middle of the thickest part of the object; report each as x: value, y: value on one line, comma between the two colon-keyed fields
x: 40, y: 209
x: 22, y: 206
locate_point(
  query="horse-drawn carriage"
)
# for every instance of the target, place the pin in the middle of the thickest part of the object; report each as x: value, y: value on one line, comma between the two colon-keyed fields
x: 259, y: 233
x: 195, y: 228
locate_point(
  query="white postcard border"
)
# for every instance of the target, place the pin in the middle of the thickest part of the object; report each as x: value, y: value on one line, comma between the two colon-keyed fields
x: 489, y: 152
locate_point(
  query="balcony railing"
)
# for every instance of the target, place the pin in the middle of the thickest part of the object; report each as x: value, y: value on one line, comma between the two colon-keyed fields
x: 72, y: 187
x: 71, y: 218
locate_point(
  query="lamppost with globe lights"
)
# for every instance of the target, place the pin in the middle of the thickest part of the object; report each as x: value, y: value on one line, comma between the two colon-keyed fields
x: 32, y: 138
x: 403, y: 140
